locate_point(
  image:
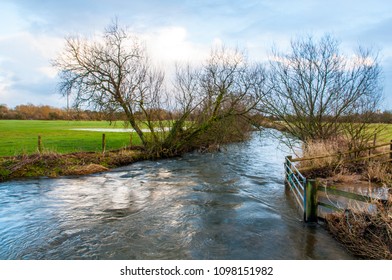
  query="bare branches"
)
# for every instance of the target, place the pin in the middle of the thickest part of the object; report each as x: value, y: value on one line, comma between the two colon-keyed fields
x: 225, y: 88
x: 111, y: 73
x: 315, y: 86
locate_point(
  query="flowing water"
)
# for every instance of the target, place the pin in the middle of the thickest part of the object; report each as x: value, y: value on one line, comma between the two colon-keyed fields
x: 227, y: 205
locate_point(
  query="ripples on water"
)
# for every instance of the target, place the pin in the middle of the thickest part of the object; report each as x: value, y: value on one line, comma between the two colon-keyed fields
x: 227, y: 205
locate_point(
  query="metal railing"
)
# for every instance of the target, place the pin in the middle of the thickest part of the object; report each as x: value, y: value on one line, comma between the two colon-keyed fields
x: 296, y: 182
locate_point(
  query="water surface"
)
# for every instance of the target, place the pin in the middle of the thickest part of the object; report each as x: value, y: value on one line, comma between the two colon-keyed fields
x: 227, y: 205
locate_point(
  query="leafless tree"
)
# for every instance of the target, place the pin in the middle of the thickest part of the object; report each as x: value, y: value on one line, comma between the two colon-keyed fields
x: 111, y: 73
x: 314, y: 88
x: 217, y: 95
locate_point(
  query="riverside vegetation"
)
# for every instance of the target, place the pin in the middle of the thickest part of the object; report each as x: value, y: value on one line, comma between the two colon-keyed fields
x: 365, y: 231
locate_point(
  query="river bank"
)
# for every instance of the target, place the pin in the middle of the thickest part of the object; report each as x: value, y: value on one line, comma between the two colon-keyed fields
x: 54, y: 165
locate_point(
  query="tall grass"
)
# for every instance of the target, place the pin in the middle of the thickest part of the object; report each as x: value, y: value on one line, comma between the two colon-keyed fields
x: 327, y: 148
x: 376, y: 171
x: 342, y: 166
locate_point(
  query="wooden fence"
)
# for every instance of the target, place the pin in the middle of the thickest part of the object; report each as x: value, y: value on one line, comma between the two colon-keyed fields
x: 103, y: 145
x: 309, y: 192
x: 342, y: 157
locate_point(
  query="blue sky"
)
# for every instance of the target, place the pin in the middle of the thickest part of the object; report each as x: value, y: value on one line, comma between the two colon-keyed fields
x: 32, y: 33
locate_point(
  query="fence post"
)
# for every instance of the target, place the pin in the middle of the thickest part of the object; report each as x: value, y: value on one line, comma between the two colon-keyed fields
x: 287, y: 169
x: 39, y: 144
x: 311, y: 201
x: 103, y: 143
x: 390, y: 150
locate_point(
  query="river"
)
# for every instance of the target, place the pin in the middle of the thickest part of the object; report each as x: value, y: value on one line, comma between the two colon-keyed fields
x: 226, y: 205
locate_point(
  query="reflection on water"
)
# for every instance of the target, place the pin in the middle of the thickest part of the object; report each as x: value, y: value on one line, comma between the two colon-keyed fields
x: 228, y: 205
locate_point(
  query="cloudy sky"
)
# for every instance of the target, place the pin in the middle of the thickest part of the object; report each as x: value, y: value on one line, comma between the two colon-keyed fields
x: 32, y: 33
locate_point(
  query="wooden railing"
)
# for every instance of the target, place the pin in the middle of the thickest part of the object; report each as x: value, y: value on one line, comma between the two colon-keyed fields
x: 342, y: 156
x: 315, y: 188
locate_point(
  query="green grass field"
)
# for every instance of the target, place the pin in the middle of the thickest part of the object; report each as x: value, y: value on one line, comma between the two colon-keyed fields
x: 386, y: 135
x: 21, y: 136
x: 383, y: 136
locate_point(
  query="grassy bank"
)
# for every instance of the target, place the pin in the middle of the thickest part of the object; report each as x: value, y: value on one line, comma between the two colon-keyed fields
x: 55, y: 165
x: 20, y: 137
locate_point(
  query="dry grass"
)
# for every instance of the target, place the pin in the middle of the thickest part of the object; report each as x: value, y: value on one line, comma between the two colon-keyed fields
x: 345, y: 176
x: 379, y: 172
x: 328, y: 165
x: 365, y: 231
x: 87, y: 169
x: 321, y: 148
x: 51, y: 164
x: 365, y: 234
x: 345, y: 165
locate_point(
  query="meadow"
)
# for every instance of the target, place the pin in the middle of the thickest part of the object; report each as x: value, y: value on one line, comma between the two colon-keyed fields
x: 385, y: 135
x: 21, y: 136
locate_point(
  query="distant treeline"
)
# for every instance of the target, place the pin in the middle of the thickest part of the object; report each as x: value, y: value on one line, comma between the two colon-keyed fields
x: 46, y: 112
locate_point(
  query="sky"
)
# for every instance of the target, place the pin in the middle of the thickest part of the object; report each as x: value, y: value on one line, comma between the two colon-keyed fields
x: 32, y: 33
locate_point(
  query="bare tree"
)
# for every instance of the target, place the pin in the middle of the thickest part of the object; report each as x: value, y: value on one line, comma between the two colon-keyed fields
x: 217, y: 96
x: 111, y: 73
x: 315, y: 88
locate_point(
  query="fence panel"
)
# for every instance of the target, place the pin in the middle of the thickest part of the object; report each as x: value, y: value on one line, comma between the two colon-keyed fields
x: 306, y: 190
x: 297, y: 182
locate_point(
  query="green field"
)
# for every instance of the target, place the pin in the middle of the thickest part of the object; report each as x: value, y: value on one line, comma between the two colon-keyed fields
x: 21, y: 136
x: 385, y: 135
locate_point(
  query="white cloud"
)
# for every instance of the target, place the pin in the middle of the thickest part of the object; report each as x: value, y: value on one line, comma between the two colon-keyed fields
x: 171, y: 44
x: 49, y: 71
x: 5, y: 83
x: 44, y: 46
